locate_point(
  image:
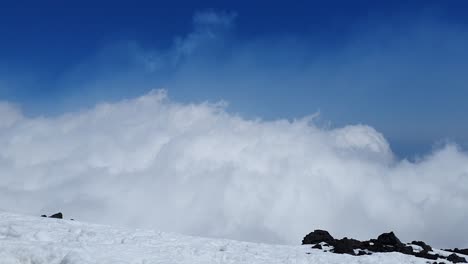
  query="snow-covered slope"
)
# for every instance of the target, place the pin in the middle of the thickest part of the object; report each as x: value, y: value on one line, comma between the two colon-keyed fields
x: 27, y: 239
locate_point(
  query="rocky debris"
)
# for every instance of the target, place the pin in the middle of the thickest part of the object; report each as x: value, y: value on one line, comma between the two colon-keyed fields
x: 426, y: 255
x: 423, y: 245
x: 58, y: 215
x: 456, y: 259
x: 318, y: 236
x: 376, y: 245
x: 317, y: 246
x: 346, y: 246
x: 343, y: 246
x: 362, y: 253
x: 386, y: 242
x: 389, y: 239
x: 459, y: 251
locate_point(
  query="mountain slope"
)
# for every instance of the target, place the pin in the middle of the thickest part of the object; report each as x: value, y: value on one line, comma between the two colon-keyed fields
x: 27, y: 239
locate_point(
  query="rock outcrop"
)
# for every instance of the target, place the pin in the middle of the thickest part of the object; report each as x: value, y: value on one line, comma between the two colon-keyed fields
x: 386, y: 242
x: 58, y: 215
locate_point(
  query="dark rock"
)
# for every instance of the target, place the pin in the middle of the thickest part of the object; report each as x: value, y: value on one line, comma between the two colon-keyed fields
x: 456, y: 259
x: 344, y: 246
x: 43, y: 215
x: 318, y: 246
x: 460, y: 251
x: 424, y: 246
x: 362, y: 253
x: 424, y: 254
x: 57, y: 215
x: 408, y: 250
x: 386, y: 242
x: 389, y: 239
x: 353, y: 242
x: 376, y: 246
x: 318, y: 236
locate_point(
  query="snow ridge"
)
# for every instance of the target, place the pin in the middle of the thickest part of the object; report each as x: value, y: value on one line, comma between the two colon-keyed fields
x: 28, y: 239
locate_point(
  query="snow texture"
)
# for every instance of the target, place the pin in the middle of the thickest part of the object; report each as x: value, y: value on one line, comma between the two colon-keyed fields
x: 28, y: 240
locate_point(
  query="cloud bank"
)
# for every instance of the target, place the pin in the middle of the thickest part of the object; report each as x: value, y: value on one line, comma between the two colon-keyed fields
x: 405, y: 79
x: 196, y: 169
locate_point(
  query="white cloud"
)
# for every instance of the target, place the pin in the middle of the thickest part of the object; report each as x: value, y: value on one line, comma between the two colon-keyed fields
x: 9, y: 114
x: 197, y: 169
x: 214, y: 18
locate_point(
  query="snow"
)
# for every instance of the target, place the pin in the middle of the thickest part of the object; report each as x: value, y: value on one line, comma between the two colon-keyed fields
x: 37, y: 240
x: 416, y: 248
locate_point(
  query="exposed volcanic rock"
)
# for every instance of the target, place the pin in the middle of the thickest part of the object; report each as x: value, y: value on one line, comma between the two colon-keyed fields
x: 389, y: 239
x: 423, y: 245
x: 462, y: 251
x: 347, y: 246
x: 376, y: 245
x: 456, y: 259
x: 426, y: 255
x: 57, y: 215
x: 459, y: 251
x: 318, y: 236
x: 386, y: 242
x: 362, y: 253
x: 318, y: 246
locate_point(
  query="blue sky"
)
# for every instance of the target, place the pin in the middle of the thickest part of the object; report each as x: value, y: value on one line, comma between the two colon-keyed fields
x: 399, y: 67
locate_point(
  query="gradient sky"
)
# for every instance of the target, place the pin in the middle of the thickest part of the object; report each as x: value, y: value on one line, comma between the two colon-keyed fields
x: 396, y: 66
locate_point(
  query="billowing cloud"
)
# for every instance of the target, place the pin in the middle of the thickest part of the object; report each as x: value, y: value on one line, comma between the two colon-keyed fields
x: 401, y: 79
x: 196, y: 169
